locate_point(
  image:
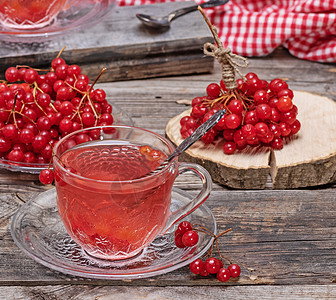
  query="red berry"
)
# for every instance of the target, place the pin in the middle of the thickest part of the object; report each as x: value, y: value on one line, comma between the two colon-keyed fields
x: 39, y: 142
x: 279, y: 85
x: 261, y: 96
x: 212, y: 265
x: 232, y: 121
x: 74, y: 70
x: 15, y: 155
x: 178, y: 241
x: 263, y: 111
x: 197, y: 266
x: 190, y: 238
x: 204, y: 272
x: 213, y: 90
x: 228, y: 134
x: 286, y: 92
x: 235, y: 106
x: 198, y: 111
x: 229, y: 147
x: 56, y: 62
x: 183, y: 227
x: 66, y: 108
x: 5, y: 144
x: 285, y: 104
x: 239, y: 139
x: 12, y: 74
x: 61, y: 71
x: 277, y: 143
x: 275, y: 115
x: 209, y: 137
x: 295, y: 127
x: 261, y: 129
x: 251, y: 117
x: 99, y: 95
x: 223, y: 274
x: 43, y: 99
x: 234, y: 270
x: 65, y: 125
x: 46, y: 176
x: 251, y: 75
x: 248, y: 130
x: 26, y: 135
x: 30, y: 76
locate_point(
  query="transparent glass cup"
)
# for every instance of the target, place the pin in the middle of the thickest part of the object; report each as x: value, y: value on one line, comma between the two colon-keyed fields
x: 107, y: 214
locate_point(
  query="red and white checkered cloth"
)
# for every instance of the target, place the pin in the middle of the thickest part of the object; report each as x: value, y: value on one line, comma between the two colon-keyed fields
x: 307, y: 28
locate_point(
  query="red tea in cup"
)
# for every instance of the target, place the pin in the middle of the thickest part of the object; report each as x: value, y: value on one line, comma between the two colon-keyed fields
x: 109, y: 197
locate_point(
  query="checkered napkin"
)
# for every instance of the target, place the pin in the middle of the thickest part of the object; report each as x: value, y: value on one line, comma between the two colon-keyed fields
x: 307, y: 28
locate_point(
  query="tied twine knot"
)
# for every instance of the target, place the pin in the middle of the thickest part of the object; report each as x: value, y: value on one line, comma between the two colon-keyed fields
x: 229, y: 61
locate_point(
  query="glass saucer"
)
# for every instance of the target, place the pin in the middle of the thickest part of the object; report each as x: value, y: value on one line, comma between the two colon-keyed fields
x: 79, y: 13
x: 39, y: 232
x: 120, y: 117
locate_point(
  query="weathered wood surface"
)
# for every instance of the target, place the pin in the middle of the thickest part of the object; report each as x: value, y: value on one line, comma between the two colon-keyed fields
x: 261, y: 167
x: 285, y: 240
x: 124, y: 46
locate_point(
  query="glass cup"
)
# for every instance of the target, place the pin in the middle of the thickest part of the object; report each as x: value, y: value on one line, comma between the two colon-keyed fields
x: 30, y: 14
x: 109, y: 198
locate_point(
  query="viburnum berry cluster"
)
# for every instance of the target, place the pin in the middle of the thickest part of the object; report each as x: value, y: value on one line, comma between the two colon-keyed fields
x: 257, y: 113
x: 38, y: 107
x: 186, y: 235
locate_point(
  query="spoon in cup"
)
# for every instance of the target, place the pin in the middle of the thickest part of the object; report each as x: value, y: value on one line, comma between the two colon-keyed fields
x: 189, y: 141
x: 164, y: 22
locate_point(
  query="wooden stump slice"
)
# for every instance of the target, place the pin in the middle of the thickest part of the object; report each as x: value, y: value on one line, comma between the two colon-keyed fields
x: 308, y: 159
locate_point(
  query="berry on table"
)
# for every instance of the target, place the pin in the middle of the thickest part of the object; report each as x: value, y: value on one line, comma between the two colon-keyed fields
x: 46, y: 176
x: 186, y: 235
x: 223, y: 274
x: 234, y: 270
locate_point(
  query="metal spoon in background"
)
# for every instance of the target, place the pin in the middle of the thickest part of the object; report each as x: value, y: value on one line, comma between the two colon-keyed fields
x: 164, y: 22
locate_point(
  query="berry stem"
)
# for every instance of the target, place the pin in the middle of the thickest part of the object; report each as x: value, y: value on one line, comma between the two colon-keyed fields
x: 97, y: 78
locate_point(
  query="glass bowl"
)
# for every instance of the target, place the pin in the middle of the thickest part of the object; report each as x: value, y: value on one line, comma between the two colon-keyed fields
x: 120, y: 118
x: 74, y: 14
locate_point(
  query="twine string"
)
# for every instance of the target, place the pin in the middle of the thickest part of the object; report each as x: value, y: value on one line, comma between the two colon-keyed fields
x: 229, y: 61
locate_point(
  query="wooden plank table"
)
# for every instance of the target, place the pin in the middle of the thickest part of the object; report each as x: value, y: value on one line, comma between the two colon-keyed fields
x: 285, y: 240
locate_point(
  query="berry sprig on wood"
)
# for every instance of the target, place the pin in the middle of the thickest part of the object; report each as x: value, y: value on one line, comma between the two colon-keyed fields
x: 259, y: 113
x: 38, y: 107
x: 186, y: 235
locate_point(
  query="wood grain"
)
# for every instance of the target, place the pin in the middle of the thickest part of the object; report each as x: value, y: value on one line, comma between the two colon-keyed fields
x: 84, y: 292
x: 307, y: 159
x: 273, y: 239
x: 284, y: 239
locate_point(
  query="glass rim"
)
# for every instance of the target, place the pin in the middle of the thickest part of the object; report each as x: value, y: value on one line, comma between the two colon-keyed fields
x: 56, y: 159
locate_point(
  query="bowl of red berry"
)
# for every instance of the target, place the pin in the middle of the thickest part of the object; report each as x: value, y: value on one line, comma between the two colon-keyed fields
x: 28, y: 20
x: 38, y: 108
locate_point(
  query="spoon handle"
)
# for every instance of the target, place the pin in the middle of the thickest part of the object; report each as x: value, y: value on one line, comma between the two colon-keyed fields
x: 182, y: 11
x: 198, y: 133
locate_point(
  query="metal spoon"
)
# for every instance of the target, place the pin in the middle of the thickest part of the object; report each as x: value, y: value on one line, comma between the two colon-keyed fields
x: 164, y: 22
x: 198, y: 133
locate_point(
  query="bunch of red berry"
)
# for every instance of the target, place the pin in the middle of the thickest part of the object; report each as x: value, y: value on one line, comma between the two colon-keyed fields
x: 187, y: 236
x: 258, y: 113
x: 38, y: 107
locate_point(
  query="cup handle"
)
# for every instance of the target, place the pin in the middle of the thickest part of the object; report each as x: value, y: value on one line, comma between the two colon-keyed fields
x: 198, y: 200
